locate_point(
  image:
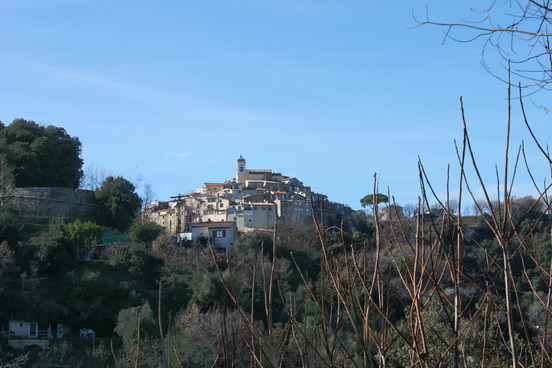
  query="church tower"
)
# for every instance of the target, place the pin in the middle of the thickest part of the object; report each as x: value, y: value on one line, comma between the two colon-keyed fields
x: 240, y: 170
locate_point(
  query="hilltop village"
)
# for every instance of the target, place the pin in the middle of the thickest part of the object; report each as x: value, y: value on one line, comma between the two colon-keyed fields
x: 253, y: 200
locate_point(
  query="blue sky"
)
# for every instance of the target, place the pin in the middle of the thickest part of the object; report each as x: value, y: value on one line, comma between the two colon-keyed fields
x: 330, y: 92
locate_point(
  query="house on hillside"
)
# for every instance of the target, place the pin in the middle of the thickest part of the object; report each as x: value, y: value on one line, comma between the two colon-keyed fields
x: 24, y: 334
x: 32, y: 330
x: 23, y: 329
x: 219, y: 234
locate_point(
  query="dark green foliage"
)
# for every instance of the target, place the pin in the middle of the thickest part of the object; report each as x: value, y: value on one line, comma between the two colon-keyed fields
x: 250, y: 269
x: 255, y: 241
x: 210, y: 293
x: 118, y: 202
x: 139, y: 260
x: 49, y: 311
x: 7, y: 179
x: 145, y: 233
x: 360, y: 238
x: 57, y: 254
x: 9, y: 228
x: 41, y: 156
x: 204, y: 321
x: 8, y: 267
x: 363, y: 224
x: 183, y: 270
x: 334, y: 241
x: 202, y: 339
x: 134, y: 322
x: 300, y: 259
x: 94, y: 294
x: 78, y: 353
x: 368, y: 200
x: 526, y: 208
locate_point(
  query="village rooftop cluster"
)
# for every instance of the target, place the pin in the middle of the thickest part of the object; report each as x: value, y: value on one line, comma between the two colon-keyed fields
x: 253, y: 200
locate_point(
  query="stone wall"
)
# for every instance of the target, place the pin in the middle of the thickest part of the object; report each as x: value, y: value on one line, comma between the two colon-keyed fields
x: 54, y: 202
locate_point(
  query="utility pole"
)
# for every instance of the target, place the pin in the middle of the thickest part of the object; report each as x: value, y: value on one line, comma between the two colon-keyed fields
x: 178, y: 213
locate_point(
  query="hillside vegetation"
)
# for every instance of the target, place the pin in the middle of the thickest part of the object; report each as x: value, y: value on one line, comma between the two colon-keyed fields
x: 428, y: 290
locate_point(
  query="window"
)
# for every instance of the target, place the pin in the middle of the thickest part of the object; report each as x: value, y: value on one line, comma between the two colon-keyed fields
x: 219, y: 234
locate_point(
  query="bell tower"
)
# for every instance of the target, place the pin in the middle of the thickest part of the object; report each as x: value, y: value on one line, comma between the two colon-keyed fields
x: 240, y: 170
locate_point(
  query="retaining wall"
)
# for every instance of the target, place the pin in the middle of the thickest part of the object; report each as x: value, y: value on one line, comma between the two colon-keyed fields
x: 54, y: 202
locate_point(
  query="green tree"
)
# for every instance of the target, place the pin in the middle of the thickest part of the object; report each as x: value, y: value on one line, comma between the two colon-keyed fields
x: 7, y: 179
x: 210, y: 293
x: 145, y: 233
x: 41, y: 156
x: 370, y: 199
x: 136, y: 323
x: 118, y: 202
x: 143, y: 264
x: 255, y: 242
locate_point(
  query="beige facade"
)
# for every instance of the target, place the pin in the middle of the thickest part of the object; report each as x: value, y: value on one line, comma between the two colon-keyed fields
x: 219, y: 234
x: 260, y: 216
x: 294, y: 213
x: 170, y: 215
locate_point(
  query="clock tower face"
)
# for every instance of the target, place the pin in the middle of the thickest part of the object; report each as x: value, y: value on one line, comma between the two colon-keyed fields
x: 240, y: 173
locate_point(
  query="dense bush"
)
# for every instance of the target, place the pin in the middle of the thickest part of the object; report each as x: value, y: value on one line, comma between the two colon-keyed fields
x: 145, y: 232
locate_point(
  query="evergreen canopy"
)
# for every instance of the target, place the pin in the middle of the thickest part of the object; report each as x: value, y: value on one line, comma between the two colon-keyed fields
x: 41, y: 156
